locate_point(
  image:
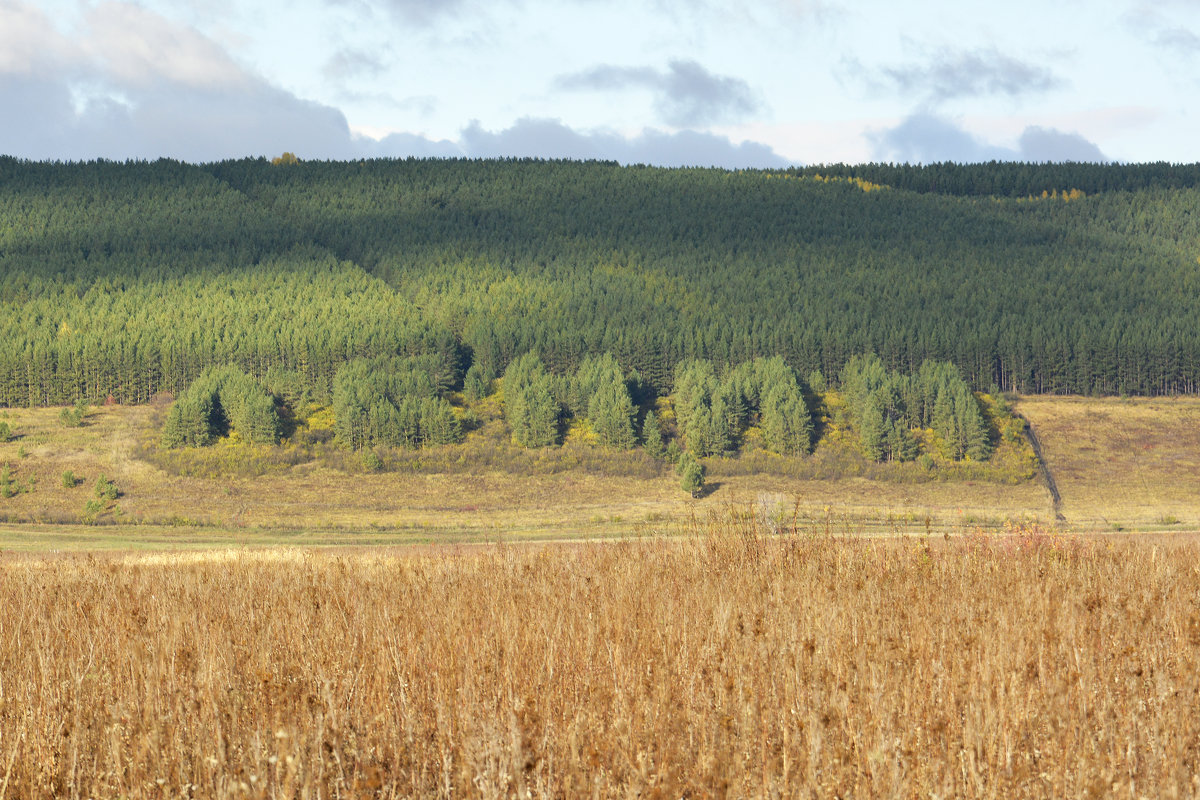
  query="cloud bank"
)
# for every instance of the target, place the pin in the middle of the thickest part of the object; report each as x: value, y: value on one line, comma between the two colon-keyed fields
x: 686, y: 94
x: 927, y: 138
x: 135, y: 85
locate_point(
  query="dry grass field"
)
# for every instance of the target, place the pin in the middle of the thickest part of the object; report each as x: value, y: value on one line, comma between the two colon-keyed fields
x: 1122, y: 464
x: 728, y: 663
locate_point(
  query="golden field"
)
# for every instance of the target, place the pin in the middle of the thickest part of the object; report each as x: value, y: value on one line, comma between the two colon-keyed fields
x: 727, y: 663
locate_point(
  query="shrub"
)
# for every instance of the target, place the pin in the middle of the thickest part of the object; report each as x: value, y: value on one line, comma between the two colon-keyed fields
x: 91, y: 510
x: 71, y: 417
x: 106, y: 489
x: 68, y: 479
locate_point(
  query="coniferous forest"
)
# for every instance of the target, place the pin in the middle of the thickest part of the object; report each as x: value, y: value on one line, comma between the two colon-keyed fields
x: 128, y: 279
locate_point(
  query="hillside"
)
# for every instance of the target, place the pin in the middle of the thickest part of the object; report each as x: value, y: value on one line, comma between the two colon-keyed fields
x: 130, y: 279
x: 1121, y: 464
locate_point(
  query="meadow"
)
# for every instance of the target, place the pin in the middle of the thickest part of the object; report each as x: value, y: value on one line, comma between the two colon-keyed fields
x: 731, y: 662
x: 481, y: 491
x: 1120, y: 465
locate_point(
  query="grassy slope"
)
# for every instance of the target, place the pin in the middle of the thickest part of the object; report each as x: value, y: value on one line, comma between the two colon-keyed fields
x: 1130, y: 463
x: 1119, y: 465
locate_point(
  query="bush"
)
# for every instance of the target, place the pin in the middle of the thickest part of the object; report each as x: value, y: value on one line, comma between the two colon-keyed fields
x: 106, y: 489
x: 68, y: 479
x: 71, y: 417
x: 91, y: 510
x: 5, y: 432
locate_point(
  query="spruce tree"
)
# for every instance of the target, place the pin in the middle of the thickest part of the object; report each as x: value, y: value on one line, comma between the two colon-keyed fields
x: 872, y: 432
x: 530, y: 407
x: 976, y: 441
x: 652, y: 438
x: 691, y: 474
x: 611, y: 413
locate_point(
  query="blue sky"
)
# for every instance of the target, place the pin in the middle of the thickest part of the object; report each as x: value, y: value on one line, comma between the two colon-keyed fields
x: 759, y: 83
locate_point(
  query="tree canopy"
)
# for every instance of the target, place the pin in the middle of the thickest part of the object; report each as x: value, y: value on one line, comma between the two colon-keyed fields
x: 127, y: 279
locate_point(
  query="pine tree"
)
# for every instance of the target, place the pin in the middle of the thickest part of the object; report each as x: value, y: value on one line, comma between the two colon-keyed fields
x: 530, y: 406
x: 652, y: 438
x: 976, y: 440
x: 611, y: 413
x: 691, y: 474
x: 872, y: 433
x: 786, y: 422
x: 475, y: 386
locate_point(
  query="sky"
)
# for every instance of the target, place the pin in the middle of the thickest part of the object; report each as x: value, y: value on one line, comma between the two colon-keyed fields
x: 759, y: 83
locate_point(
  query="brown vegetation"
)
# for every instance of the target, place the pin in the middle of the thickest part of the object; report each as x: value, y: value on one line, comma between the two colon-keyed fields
x: 728, y: 663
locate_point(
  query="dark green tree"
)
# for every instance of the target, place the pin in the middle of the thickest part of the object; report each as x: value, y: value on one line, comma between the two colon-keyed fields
x: 652, y: 438
x: 691, y: 474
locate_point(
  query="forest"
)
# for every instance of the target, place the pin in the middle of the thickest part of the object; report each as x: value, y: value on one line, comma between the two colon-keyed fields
x: 124, y: 280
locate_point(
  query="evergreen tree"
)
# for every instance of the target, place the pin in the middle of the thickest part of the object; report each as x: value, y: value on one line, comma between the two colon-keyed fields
x: 976, y: 441
x: 872, y: 432
x: 691, y: 474
x: 611, y: 413
x: 530, y: 407
x: 475, y: 385
x: 652, y: 438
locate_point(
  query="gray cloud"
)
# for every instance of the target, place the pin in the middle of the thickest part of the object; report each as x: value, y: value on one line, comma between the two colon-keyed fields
x: 1158, y: 23
x: 686, y: 94
x: 349, y: 63
x: 927, y: 138
x: 548, y: 138
x: 421, y: 13
x: 1180, y: 40
x: 44, y: 120
x: 1048, y: 144
x: 968, y: 74
x: 405, y: 145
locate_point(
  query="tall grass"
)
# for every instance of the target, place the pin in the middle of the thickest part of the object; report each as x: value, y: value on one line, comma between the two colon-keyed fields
x: 730, y: 663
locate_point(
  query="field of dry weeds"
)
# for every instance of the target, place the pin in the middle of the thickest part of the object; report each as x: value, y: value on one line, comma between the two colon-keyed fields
x: 1024, y: 664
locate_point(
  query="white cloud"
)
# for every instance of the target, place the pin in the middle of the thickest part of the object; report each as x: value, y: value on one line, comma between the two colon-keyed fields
x: 136, y: 46
x: 29, y: 42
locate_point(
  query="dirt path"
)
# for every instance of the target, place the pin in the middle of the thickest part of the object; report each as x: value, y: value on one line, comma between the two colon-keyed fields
x: 1044, y: 468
